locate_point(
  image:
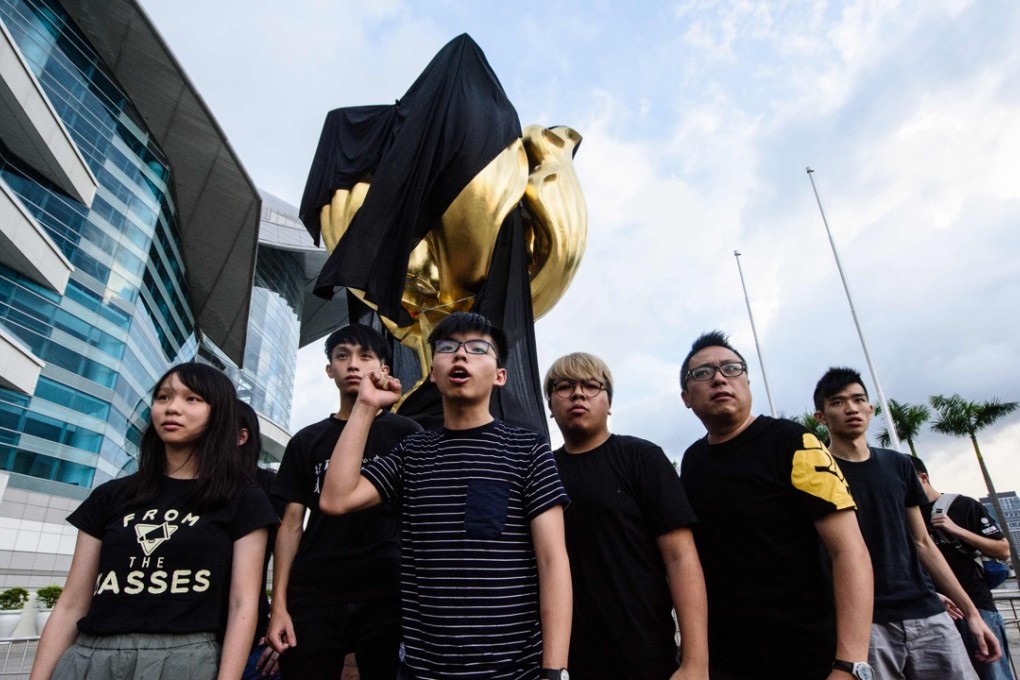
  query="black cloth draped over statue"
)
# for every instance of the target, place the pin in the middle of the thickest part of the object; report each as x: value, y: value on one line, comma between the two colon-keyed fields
x: 418, y: 154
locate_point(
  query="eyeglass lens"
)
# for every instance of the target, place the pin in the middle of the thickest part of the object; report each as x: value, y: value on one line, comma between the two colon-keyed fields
x: 707, y: 372
x: 470, y: 346
x: 589, y: 388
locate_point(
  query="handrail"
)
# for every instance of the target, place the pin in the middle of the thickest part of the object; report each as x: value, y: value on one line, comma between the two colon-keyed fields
x: 1007, y: 601
x: 16, y: 657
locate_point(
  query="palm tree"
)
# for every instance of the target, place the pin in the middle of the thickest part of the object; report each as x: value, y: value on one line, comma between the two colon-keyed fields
x: 962, y: 418
x: 809, y: 421
x: 908, y: 419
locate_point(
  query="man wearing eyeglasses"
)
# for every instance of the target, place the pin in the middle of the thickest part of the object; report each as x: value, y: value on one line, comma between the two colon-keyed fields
x: 485, y: 579
x: 767, y: 495
x: 632, y: 555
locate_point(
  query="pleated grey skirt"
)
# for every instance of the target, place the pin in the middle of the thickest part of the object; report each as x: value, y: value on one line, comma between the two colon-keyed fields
x: 140, y: 656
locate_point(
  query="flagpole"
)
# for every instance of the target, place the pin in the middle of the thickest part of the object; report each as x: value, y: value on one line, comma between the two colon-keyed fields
x: 754, y: 332
x: 890, y: 425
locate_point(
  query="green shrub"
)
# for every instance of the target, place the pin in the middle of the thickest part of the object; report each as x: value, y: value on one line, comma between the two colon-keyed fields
x: 13, y: 598
x: 48, y: 596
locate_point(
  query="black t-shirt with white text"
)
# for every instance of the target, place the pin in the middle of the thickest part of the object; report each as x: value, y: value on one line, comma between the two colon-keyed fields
x: 972, y: 516
x: 164, y: 567
x: 352, y: 557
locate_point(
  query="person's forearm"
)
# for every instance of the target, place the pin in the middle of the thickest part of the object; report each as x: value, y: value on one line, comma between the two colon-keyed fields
x: 691, y: 604
x: 75, y: 602
x: 59, y: 634
x: 288, y: 538
x: 991, y: 547
x: 556, y: 607
x: 344, y: 471
x: 944, y: 579
x: 241, y: 621
x: 853, y: 589
x: 555, y: 594
x: 242, y: 603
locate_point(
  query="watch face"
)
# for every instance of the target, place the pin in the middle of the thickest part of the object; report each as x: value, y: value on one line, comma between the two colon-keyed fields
x: 862, y: 671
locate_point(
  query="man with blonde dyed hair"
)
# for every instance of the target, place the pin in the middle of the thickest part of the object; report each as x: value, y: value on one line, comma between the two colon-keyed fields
x: 632, y: 555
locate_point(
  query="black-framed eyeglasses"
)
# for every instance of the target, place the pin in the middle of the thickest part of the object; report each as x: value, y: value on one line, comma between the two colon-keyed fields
x: 476, y: 347
x: 589, y: 388
x: 705, y: 372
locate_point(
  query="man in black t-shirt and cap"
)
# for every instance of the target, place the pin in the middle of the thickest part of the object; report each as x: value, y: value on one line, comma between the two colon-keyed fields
x: 632, y: 555
x: 768, y: 496
x: 963, y: 532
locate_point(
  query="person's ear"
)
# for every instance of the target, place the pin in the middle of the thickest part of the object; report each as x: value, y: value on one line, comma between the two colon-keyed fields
x: 820, y: 417
x: 500, y: 378
x: 242, y: 436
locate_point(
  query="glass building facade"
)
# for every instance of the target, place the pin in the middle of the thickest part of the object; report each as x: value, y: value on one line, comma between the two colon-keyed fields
x: 125, y: 315
x: 286, y: 258
x: 270, y: 356
x: 1010, y: 503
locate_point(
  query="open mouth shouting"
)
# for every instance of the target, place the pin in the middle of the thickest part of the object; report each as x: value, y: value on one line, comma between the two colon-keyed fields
x: 459, y: 375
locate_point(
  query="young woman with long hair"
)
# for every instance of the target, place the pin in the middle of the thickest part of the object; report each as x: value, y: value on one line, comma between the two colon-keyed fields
x: 165, y: 578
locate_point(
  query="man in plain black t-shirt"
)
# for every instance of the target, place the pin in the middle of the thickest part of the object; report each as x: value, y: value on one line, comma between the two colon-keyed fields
x: 912, y: 636
x: 336, y: 580
x: 632, y: 555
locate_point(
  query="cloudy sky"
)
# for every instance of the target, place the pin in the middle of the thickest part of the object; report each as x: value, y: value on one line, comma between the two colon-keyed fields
x: 699, y: 119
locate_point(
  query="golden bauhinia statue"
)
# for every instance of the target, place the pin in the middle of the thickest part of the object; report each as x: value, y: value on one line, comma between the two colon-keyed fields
x: 440, y: 203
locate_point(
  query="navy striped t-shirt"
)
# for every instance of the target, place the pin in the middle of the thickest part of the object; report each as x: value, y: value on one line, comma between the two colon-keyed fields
x: 469, y: 580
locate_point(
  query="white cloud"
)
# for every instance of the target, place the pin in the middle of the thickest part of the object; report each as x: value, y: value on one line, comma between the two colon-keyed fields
x: 698, y: 120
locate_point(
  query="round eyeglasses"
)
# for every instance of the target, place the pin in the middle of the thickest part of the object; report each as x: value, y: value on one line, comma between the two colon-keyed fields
x: 470, y: 346
x: 589, y: 388
x: 704, y: 373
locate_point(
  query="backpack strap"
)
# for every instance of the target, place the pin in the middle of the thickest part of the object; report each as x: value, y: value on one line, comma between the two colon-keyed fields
x: 942, y: 503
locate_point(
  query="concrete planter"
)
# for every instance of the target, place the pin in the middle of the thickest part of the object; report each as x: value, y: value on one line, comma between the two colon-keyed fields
x: 9, y: 621
x: 40, y: 620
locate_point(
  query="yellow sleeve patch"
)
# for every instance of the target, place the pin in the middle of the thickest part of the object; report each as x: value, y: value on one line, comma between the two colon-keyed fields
x: 815, y: 472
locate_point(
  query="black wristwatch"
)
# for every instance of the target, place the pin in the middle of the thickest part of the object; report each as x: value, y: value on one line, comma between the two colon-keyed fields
x: 859, y: 670
x: 554, y: 674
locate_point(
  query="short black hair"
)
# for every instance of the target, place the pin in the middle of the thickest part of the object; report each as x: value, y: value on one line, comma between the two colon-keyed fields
x: 459, y: 323
x: 251, y: 449
x: 363, y: 336
x: 709, y: 339
x: 834, y: 380
x: 919, y: 465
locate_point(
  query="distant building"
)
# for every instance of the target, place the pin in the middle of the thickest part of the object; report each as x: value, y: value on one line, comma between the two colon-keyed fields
x: 1011, y: 508
x: 128, y: 239
x: 284, y: 316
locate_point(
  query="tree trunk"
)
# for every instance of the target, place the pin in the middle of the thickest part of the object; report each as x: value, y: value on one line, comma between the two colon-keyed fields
x: 1000, y: 515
